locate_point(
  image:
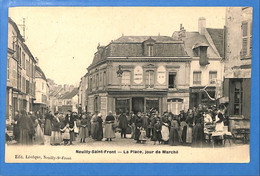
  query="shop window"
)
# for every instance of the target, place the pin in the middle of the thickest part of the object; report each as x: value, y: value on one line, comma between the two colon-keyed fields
x: 197, y: 77
x: 175, y: 105
x: 122, y: 105
x: 246, y: 39
x: 149, y: 78
x: 212, y: 77
x: 238, y: 97
x: 126, y: 78
x: 171, y: 82
x: 152, y: 103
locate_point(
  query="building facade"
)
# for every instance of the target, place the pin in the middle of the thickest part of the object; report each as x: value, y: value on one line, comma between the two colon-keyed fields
x: 69, y: 101
x: 206, y: 49
x: 138, y: 73
x: 238, y: 59
x: 20, y: 73
x: 83, y: 85
x: 41, y: 103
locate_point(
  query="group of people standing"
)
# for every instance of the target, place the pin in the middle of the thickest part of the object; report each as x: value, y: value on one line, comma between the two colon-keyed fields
x: 187, y: 128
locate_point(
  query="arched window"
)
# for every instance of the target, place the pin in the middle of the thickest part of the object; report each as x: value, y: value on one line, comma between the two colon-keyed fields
x: 149, y: 78
x: 126, y: 78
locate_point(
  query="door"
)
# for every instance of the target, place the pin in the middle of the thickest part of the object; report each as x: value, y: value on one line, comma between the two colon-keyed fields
x: 137, y: 104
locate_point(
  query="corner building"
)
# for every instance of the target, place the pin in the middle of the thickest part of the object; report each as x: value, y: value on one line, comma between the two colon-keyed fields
x: 137, y: 73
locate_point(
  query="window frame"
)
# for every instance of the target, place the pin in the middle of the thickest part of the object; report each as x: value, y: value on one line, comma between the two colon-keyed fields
x: 196, y: 82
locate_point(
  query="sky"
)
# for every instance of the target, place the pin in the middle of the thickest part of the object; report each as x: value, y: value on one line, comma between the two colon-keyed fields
x: 64, y: 39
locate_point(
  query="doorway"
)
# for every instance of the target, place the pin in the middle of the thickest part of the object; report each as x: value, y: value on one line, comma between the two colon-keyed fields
x: 137, y: 104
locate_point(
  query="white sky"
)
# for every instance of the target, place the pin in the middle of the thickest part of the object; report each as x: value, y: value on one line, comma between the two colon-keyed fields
x: 56, y: 35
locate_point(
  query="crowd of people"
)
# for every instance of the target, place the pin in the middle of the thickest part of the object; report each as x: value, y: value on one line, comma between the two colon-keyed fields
x: 187, y: 128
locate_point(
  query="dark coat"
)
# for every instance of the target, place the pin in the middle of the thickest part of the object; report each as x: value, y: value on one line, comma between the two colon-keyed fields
x: 70, y: 119
x: 99, y: 129
x: 56, y: 125
x: 26, y: 130
x: 123, y: 123
x: 47, y: 124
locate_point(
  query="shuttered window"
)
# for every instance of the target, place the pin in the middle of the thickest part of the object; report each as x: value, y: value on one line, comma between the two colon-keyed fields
x: 246, y: 39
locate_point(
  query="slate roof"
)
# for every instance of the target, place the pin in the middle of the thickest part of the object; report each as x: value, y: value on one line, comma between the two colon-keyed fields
x: 71, y: 94
x: 133, y: 46
x: 40, y: 73
x: 141, y: 39
x: 194, y: 38
x: 217, y: 35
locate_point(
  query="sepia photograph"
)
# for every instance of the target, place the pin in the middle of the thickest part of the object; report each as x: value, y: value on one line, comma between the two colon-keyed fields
x: 128, y: 85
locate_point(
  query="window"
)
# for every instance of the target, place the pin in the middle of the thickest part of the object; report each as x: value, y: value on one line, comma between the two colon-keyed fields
x: 238, y: 97
x: 90, y: 84
x: 27, y: 87
x: 96, y: 104
x: 212, y: 77
x: 104, y: 78
x: 27, y: 68
x: 150, y: 50
x: 42, y: 86
x: 196, y: 77
x: 171, y: 83
x: 122, y: 105
x: 8, y: 65
x: 23, y: 60
x: 126, y: 78
x: 246, y: 39
x: 97, y: 81
x: 149, y: 78
x: 175, y: 105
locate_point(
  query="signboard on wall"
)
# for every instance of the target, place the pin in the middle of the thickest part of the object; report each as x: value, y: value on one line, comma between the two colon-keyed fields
x: 161, y: 74
x: 138, y: 75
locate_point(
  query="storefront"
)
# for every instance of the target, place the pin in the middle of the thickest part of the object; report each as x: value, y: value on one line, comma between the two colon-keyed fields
x: 197, y: 96
x: 141, y: 101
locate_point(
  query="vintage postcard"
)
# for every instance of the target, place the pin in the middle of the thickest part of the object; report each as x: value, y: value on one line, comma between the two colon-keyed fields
x: 128, y: 85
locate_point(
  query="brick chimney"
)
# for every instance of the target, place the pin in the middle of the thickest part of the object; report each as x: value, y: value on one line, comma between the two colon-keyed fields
x: 201, y: 25
x: 181, y: 33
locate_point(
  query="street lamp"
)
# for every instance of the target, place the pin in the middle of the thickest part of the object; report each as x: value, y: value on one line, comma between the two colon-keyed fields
x: 119, y: 72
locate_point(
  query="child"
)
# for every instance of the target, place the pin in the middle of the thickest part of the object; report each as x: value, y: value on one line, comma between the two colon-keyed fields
x: 157, y: 132
x: 66, y: 134
x: 142, y: 136
x: 83, y: 132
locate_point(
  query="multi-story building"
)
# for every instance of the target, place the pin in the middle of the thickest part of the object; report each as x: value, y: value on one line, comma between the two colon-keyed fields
x: 137, y: 73
x: 238, y: 59
x: 206, y: 49
x: 20, y: 73
x: 41, y: 102
x: 83, y: 85
x: 69, y: 101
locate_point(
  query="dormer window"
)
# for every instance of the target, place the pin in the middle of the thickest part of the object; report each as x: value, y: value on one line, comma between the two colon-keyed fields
x: 200, y: 50
x: 148, y: 47
x: 150, y: 50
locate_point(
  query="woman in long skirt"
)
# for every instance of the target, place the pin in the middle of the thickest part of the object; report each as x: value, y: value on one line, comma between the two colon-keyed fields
x: 157, y: 136
x: 39, y: 137
x: 138, y: 126
x: 56, y: 137
x: 174, y: 135
x: 47, y: 124
x: 99, y: 128
x: 165, y: 132
x: 83, y: 131
x: 26, y: 129
x: 94, y: 127
x: 109, y: 131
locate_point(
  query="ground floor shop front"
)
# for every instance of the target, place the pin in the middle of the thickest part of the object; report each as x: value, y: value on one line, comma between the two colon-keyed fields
x: 137, y: 101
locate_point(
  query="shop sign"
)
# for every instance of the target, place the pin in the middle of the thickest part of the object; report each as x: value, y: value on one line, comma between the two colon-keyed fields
x: 138, y: 74
x: 161, y: 74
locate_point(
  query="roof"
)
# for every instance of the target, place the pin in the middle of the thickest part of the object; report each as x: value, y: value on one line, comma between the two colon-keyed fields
x: 194, y: 38
x: 40, y: 73
x: 141, y: 39
x: 71, y: 94
x: 21, y: 38
x: 217, y: 36
x: 133, y: 46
